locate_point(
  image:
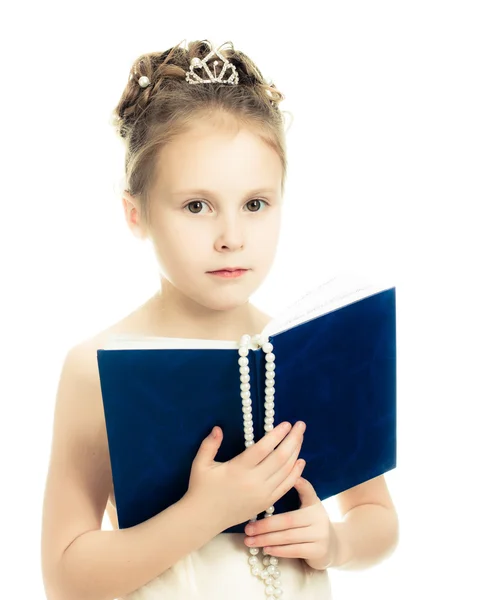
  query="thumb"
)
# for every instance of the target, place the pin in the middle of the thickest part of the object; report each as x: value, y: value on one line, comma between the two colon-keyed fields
x: 211, y: 444
x: 307, y: 493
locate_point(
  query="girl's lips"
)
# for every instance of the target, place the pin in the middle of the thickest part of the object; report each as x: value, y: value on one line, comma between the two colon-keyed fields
x: 229, y: 274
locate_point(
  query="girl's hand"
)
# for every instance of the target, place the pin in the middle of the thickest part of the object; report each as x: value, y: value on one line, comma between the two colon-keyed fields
x: 304, y: 533
x: 256, y: 478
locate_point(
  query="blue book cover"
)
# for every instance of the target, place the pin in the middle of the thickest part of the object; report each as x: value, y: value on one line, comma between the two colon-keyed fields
x: 335, y: 356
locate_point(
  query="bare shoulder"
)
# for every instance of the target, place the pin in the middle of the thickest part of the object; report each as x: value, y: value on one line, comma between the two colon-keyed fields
x: 80, y: 368
x: 85, y: 351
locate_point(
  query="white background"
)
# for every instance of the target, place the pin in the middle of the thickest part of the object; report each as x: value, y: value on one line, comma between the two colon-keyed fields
x: 383, y: 178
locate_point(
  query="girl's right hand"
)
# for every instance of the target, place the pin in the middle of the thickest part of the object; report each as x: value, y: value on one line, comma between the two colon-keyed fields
x: 248, y: 484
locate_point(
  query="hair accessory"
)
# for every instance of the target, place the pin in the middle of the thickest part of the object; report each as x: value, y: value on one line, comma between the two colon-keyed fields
x: 197, y: 63
x: 144, y: 81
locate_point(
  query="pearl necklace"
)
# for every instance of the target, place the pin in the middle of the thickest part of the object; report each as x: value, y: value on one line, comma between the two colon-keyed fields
x: 271, y: 573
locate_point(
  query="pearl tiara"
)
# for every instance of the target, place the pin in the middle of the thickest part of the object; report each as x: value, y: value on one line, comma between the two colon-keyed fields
x: 197, y: 63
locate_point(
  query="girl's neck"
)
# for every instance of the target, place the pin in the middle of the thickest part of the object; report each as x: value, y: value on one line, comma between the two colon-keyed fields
x: 164, y: 318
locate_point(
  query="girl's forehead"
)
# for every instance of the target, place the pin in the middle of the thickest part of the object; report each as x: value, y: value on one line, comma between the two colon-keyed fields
x: 197, y: 152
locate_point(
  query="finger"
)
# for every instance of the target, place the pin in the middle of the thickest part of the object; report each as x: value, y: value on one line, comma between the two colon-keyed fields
x: 288, y: 520
x: 285, y: 484
x: 306, y: 550
x: 281, y: 461
x: 298, y: 535
x: 256, y: 453
x: 267, y: 445
x: 274, y: 471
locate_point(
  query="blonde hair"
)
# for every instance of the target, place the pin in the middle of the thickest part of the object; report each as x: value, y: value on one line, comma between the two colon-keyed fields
x: 146, y: 119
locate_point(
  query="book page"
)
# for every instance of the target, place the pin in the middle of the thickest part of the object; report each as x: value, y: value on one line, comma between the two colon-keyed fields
x: 334, y: 293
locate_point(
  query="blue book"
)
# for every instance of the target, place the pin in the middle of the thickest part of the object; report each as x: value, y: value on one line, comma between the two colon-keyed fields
x: 335, y: 356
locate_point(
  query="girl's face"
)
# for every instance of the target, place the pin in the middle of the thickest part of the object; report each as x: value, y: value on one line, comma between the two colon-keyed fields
x: 216, y: 203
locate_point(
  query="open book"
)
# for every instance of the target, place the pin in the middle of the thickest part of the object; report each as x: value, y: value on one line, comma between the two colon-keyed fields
x: 335, y: 356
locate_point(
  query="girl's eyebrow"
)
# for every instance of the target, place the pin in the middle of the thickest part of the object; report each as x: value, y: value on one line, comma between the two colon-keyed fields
x: 203, y: 192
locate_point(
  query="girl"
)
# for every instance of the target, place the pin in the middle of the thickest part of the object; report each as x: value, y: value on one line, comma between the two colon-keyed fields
x: 205, y: 171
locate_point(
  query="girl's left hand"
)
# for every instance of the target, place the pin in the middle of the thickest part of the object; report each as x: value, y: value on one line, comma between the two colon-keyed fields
x: 305, y: 533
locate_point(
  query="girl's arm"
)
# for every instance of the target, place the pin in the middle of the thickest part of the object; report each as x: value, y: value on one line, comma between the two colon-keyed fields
x: 104, y: 565
x: 79, y: 559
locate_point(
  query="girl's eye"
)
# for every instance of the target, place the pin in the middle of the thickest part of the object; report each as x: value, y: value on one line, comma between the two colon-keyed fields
x: 200, y: 202
x: 256, y: 201
x: 195, y: 202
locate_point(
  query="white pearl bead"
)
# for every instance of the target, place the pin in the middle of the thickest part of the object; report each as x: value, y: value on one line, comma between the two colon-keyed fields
x: 270, y: 413
x: 268, y: 427
x: 245, y: 394
x: 269, y: 589
x: 255, y: 570
x: 245, y: 378
x: 269, y: 383
x: 243, y: 351
x: 247, y: 402
x: 244, y: 370
x: 277, y: 583
x: 144, y: 81
x: 270, y: 510
x: 249, y: 436
x: 277, y: 592
x: 247, y: 409
x: 243, y: 361
x: 270, y: 357
x: 270, y: 392
x: 266, y: 561
x: 254, y: 551
x: 273, y: 560
x: 271, y: 569
x: 248, y: 430
x: 270, y: 375
x: 270, y: 366
x: 268, y: 420
x: 244, y: 387
x: 267, y: 348
x: 264, y: 574
x: 253, y: 560
x: 249, y: 443
x: 269, y: 405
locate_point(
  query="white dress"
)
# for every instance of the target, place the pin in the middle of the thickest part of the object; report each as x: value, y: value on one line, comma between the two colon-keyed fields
x: 220, y: 570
